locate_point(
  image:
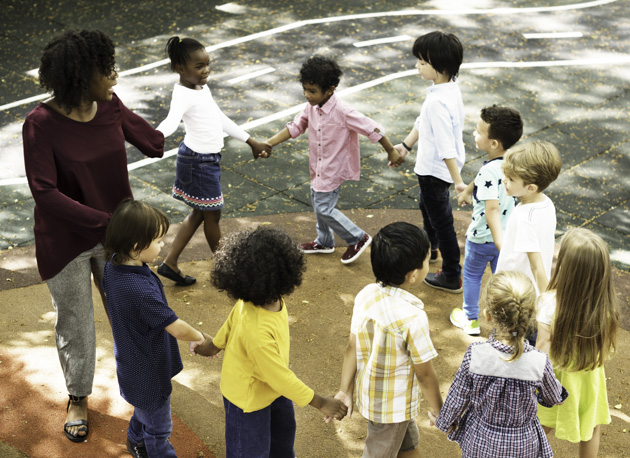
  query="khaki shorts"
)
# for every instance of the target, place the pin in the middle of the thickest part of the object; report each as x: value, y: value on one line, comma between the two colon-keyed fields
x: 385, y: 440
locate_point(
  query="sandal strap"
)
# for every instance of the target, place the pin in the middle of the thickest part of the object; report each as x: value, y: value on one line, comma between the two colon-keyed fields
x: 76, y: 398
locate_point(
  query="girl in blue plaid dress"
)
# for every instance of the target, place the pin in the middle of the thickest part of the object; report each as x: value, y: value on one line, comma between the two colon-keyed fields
x: 490, y: 410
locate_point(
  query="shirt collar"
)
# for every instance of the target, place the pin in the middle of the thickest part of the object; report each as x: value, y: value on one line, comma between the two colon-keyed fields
x: 329, y: 105
x: 142, y: 270
x: 441, y: 87
x: 500, y: 158
x: 506, y: 348
x: 396, y: 292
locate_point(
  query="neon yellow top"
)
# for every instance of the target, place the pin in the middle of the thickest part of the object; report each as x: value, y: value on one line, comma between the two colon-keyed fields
x: 256, y: 360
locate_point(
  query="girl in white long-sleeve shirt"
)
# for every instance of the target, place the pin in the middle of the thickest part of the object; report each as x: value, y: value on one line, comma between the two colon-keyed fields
x: 197, y: 181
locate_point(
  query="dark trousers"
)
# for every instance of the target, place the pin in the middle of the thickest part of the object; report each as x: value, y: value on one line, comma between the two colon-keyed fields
x: 153, y: 427
x: 435, y: 205
x: 268, y: 432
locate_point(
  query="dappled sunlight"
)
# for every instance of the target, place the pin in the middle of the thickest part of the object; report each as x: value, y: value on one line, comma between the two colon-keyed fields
x: 18, y: 264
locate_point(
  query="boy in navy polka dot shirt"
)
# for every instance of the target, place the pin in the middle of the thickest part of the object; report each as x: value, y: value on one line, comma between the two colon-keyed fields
x: 144, y: 326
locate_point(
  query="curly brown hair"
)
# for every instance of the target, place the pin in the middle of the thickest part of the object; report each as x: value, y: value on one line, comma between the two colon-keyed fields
x: 258, y: 266
x: 69, y: 61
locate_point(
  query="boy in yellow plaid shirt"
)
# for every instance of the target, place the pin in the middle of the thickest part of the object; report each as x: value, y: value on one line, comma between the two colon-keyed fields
x: 389, y: 350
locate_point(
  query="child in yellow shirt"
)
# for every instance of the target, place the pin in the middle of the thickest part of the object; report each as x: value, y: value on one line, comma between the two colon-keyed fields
x: 258, y: 268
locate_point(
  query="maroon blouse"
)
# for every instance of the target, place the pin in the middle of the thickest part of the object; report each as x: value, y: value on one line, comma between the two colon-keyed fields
x: 77, y: 172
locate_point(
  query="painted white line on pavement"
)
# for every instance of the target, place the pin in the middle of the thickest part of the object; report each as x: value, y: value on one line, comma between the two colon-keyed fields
x: 539, y: 36
x: 380, y: 41
x: 611, y: 60
x: 251, y: 75
x: 296, y: 25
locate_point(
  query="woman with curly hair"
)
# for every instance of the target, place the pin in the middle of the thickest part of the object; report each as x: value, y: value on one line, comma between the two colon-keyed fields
x: 259, y: 267
x: 76, y: 165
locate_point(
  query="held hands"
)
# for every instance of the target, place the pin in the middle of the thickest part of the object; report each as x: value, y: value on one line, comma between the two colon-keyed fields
x: 259, y: 149
x: 204, y: 347
x: 464, y: 198
x: 402, y: 152
x: 333, y: 408
x: 396, y: 159
x: 432, y: 418
x: 460, y: 187
x: 347, y: 400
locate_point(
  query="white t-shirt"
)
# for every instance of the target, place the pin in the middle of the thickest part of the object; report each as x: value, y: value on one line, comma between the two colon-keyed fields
x: 531, y: 228
x: 546, y: 308
x: 203, y: 119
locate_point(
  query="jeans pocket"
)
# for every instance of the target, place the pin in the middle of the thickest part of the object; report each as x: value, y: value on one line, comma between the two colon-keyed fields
x: 184, y: 172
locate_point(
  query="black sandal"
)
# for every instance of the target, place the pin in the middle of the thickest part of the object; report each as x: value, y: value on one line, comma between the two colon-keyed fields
x: 177, y: 277
x: 82, y: 423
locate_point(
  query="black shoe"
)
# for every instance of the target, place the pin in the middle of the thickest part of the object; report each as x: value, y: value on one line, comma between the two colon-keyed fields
x: 439, y: 281
x: 137, y: 450
x: 177, y: 277
x: 434, y: 257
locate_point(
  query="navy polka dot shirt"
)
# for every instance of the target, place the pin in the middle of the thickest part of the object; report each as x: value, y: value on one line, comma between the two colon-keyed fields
x: 147, y: 356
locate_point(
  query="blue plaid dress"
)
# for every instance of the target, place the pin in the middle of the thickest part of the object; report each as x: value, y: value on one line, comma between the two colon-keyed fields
x: 492, y: 403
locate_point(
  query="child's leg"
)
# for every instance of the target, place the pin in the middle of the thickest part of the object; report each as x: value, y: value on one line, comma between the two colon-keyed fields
x: 387, y: 440
x: 186, y: 231
x: 246, y: 434
x: 155, y: 426
x: 282, y: 428
x: 211, y: 228
x: 436, y: 208
x: 590, y: 448
x: 477, y: 258
x: 330, y: 219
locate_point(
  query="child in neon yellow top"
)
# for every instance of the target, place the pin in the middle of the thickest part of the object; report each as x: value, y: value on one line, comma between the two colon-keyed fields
x: 258, y: 268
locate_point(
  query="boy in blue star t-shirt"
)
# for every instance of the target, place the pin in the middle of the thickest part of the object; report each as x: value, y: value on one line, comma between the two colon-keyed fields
x: 498, y: 129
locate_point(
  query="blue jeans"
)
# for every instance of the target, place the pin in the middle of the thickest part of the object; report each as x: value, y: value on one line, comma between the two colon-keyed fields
x: 437, y: 213
x: 153, y: 427
x: 268, y: 432
x: 478, y: 255
x: 330, y: 219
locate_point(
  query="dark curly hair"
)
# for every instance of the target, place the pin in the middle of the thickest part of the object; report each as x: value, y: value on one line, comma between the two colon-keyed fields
x: 443, y: 51
x: 504, y: 124
x: 180, y: 49
x: 69, y: 61
x: 321, y: 71
x: 397, y: 249
x: 258, y: 266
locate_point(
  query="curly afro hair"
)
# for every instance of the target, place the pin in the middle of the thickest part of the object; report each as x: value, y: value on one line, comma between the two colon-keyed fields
x: 258, y: 266
x: 69, y: 61
x: 321, y: 71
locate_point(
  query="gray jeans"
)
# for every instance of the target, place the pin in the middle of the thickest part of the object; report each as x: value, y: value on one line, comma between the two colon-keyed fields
x: 71, y: 292
x: 330, y: 219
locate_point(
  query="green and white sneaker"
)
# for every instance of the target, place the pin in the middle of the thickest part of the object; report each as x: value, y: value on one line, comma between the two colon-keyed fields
x: 459, y: 319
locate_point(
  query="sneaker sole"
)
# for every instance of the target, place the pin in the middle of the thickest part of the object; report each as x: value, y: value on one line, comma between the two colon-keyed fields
x: 448, y: 290
x: 323, y: 251
x: 470, y: 332
x: 359, y: 253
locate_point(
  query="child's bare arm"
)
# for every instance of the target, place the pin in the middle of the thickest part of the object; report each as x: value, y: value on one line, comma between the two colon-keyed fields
x: 259, y: 149
x: 348, y: 371
x: 493, y: 218
x: 409, y: 141
x: 451, y: 164
x: 538, y: 269
x: 183, y: 331
x: 280, y: 137
x: 329, y: 406
x: 543, y: 341
x: 427, y: 378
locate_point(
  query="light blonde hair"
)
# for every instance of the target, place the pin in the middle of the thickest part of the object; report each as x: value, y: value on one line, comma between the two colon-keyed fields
x: 584, y: 330
x: 534, y: 162
x: 510, y: 299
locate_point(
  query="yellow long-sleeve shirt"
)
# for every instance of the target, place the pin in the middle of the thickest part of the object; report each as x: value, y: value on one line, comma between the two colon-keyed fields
x: 256, y: 360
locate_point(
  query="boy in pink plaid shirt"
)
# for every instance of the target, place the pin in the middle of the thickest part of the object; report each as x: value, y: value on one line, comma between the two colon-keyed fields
x: 334, y: 156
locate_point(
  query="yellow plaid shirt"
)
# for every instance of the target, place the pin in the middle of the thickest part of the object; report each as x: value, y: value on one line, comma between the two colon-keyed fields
x: 392, y: 332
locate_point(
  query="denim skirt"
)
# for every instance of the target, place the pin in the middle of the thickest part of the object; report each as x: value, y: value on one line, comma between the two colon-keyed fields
x: 198, y: 179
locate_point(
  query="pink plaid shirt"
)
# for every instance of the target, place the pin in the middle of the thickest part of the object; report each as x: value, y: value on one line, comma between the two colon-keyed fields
x: 333, y: 141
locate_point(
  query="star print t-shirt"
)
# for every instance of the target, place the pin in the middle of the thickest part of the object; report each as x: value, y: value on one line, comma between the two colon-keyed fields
x: 488, y: 186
